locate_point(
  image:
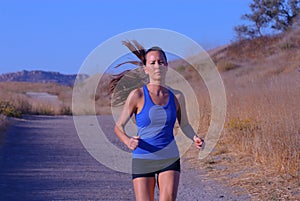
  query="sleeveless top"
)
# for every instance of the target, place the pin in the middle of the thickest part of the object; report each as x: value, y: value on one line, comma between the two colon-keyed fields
x: 155, y: 125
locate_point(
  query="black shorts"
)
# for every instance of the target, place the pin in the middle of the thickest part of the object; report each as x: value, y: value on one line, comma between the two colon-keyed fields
x: 150, y: 168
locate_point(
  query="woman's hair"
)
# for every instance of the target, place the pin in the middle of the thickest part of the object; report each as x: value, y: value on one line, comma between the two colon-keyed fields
x: 122, y: 84
x: 155, y: 48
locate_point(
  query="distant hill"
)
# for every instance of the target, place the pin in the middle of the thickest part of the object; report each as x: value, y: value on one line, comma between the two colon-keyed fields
x: 38, y: 76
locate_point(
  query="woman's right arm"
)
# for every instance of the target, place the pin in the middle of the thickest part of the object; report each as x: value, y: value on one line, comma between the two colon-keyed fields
x: 129, y: 109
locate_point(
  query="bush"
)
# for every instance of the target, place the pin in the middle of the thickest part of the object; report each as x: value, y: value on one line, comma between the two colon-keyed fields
x: 8, y: 109
x: 66, y: 110
x: 237, y: 124
x: 224, y: 65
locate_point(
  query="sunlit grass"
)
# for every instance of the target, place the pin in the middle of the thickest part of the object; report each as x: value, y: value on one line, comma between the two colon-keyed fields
x: 263, y: 120
x: 15, y: 102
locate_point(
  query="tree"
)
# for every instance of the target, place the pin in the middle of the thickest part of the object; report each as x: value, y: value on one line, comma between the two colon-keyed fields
x: 267, y: 16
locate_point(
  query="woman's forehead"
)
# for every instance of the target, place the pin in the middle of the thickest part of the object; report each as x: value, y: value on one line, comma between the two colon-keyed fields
x: 154, y: 55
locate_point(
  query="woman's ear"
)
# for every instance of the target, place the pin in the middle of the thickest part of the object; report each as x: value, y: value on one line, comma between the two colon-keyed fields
x: 145, y: 69
x: 167, y: 66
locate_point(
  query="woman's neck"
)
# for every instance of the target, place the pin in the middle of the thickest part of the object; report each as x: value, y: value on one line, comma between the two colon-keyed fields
x: 157, y: 83
x: 155, y: 88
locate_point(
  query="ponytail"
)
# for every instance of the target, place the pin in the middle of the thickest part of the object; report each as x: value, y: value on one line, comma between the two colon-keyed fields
x: 123, y: 83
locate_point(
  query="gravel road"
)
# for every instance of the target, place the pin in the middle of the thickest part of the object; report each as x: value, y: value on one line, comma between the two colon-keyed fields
x: 42, y: 158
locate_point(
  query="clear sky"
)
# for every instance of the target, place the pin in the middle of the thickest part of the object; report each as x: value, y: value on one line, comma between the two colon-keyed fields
x: 57, y: 35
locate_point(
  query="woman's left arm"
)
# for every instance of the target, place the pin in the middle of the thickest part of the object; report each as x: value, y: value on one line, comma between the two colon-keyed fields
x: 184, y: 122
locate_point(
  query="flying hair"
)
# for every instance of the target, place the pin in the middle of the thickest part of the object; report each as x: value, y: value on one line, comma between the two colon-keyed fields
x: 121, y: 84
x: 124, y: 82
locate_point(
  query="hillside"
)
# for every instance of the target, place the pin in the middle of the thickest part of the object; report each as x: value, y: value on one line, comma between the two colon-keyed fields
x: 38, y: 76
x: 267, y: 56
x: 260, y: 144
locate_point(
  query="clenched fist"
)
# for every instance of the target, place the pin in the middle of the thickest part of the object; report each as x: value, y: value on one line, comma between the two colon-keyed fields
x: 133, y: 142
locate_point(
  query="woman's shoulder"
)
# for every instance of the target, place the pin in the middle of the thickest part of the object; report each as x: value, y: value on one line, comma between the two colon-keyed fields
x: 177, y: 93
x: 137, y: 93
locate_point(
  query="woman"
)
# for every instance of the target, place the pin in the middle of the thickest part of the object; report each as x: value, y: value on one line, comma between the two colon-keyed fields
x: 156, y: 108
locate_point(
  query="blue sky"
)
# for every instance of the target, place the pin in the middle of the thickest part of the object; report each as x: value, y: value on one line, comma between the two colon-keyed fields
x: 57, y: 35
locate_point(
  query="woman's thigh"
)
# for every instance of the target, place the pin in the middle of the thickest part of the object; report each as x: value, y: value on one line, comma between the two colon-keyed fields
x: 168, y: 184
x: 144, y: 188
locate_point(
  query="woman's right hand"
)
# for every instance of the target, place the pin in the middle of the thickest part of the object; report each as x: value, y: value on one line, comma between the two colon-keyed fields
x: 133, y: 142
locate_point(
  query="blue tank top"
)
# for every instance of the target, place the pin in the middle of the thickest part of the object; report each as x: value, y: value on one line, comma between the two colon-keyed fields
x: 155, y: 125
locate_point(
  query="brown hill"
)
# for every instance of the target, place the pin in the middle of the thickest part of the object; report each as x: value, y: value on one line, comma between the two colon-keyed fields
x: 38, y: 76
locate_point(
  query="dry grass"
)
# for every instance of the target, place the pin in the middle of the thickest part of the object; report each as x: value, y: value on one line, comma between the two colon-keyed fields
x: 263, y: 123
x: 260, y: 146
x: 263, y: 119
x: 262, y: 128
x: 3, y: 126
x: 2, y: 122
x: 14, y: 93
x: 92, y: 96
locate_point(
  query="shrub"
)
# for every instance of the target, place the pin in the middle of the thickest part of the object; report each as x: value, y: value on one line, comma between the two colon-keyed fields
x: 66, y: 110
x: 247, y: 124
x: 226, y: 65
x: 8, y: 109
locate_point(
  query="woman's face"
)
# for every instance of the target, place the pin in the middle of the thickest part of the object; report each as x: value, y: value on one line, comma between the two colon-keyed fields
x: 156, y: 66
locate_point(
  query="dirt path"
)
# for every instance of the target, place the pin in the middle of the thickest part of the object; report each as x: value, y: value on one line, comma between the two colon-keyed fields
x: 42, y: 158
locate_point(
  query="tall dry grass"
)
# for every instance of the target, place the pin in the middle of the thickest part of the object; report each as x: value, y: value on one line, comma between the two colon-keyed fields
x: 14, y: 94
x: 3, y: 124
x: 262, y: 86
x: 263, y: 121
x: 2, y: 121
x: 262, y: 129
x: 263, y: 101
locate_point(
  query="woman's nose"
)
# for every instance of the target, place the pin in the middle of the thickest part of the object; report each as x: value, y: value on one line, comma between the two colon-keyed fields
x: 156, y: 65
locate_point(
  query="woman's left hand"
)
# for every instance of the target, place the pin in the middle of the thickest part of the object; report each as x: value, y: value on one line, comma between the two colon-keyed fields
x: 199, y: 142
